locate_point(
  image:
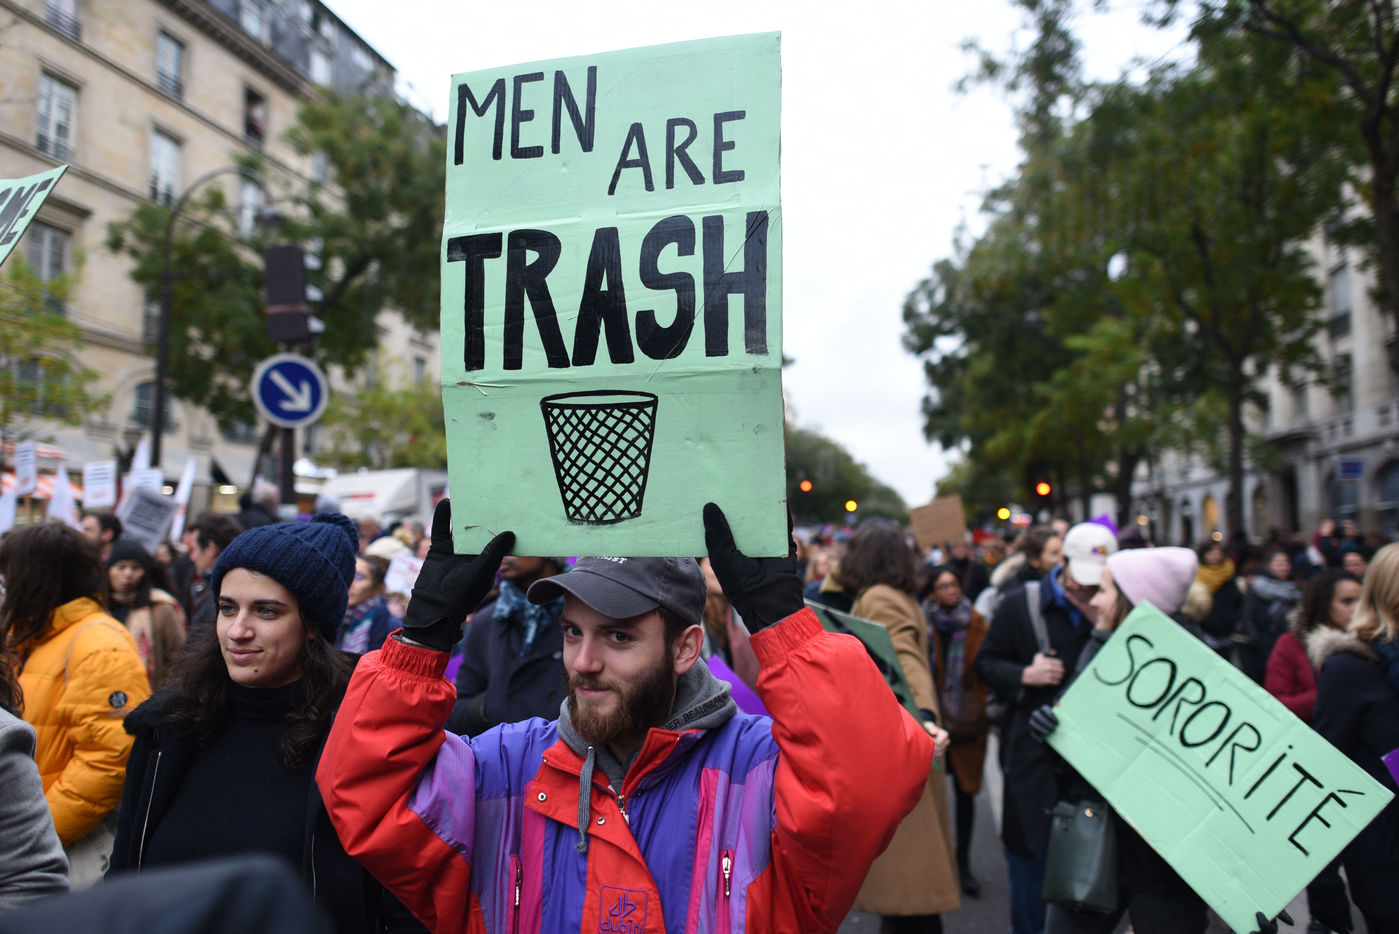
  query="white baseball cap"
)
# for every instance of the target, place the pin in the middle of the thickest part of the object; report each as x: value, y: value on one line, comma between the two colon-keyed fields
x: 1086, y: 549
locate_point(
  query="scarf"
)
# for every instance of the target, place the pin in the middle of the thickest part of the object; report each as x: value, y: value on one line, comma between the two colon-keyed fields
x: 1388, y: 651
x: 950, y: 626
x: 511, y: 604
x: 354, y: 630
x: 1216, y: 577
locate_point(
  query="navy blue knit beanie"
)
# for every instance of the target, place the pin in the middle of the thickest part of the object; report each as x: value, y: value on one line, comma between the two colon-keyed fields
x: 314, y: 560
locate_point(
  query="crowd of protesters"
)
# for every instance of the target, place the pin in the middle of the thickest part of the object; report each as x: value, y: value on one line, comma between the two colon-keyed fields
x: 228, y: 698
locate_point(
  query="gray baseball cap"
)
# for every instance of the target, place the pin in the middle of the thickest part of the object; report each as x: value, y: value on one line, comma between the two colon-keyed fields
x: 620, y: 588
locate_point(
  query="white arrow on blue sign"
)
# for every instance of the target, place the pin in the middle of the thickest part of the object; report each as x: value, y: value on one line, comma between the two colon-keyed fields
x: 289, y: 390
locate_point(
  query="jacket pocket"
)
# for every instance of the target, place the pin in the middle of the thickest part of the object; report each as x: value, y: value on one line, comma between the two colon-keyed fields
x: 723, y: 923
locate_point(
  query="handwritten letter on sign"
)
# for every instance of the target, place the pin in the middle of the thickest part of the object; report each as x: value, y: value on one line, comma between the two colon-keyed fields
x: 1236, y: 793
x: 612, y: 300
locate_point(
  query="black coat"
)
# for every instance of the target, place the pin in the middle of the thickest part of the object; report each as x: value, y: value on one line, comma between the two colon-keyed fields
x: 1357, y: 710
x: 347, y: 894
x: 496, y: 684
x: 1028, y: 771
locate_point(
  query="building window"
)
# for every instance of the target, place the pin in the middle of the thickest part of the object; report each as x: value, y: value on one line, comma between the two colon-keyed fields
x: 144, y: 406
x: 254, y: 118
x: 165, y: 167
x: 169, y: 65
x: 58, y: 105
x: 1301, y: 407
x: 419, y: 370
x: 150, y: 321
x: 1345, y: 498
x: 320, y: 166
x: 249, y: 203
x: 63, y: 16
x: 47, y: 254
x: 320, y: 66
x: 1338, y: 285
x: 362, y: 59
x: 1342, y: 375
x: 240, y: 433
x: 254, y: 16
x: 1389, y: 500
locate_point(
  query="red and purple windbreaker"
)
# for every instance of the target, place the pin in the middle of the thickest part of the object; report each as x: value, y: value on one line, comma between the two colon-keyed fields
x: 757, y: 825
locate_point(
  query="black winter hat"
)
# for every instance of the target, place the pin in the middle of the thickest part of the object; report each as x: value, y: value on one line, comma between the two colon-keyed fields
x: 124, y: 549
x: 314, y: 560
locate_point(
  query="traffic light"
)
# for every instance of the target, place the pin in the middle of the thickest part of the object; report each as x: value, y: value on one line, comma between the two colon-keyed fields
x: 1003, y: 513
x: 851, y: 505
x: 284, y: 278
x: 805, y: 486
x: 1042, y: 488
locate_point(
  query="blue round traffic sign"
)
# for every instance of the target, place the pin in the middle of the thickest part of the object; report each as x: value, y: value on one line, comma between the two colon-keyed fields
x: 289, y: 390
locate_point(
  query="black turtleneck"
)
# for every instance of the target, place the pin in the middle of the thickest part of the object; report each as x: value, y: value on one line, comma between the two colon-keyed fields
x: 237, y: 796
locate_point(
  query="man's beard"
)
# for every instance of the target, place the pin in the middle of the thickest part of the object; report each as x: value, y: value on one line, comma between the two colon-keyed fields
x: 641, y: 705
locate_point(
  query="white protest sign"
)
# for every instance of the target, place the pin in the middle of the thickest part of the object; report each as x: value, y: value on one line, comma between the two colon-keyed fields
x: 7, y: 511
x: 150, y: 479
x: 26, y: 470
x: 177, y: 527
x: 100, y: 485
x: 402, y: 573
x: 145, y: 516
x: 62, y: 506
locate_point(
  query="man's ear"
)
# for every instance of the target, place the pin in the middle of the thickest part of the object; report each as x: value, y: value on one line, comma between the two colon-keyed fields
x: 687, y: 648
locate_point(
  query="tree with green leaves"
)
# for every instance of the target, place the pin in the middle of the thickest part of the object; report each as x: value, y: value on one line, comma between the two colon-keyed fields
x: 40, y: 378
x: 373, y: 223
x: 389, y: 423
x: 835, y: 478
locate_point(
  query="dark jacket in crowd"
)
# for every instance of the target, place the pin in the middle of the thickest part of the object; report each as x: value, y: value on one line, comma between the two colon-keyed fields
x: 497, y: 683
x: 972, y: 574
x: 157, y: 767
x: 227, y: 896
x: 255, y: 515
x: 1264, y: 618
x: 1357, y: 710
x: 1008, y: 649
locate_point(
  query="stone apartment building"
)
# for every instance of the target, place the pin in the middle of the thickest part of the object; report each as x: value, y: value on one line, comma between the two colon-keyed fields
x: 1335, y: 439
x: 144, y: 98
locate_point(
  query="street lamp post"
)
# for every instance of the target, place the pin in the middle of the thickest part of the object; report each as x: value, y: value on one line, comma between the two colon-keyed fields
x: 167, y: 275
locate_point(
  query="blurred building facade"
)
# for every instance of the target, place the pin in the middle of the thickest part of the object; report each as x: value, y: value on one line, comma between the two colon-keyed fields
x: 141, y: 98
x: 1332, y: 439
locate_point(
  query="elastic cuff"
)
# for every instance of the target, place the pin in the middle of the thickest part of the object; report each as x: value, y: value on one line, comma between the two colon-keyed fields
x: 416, y: 660
x: 774, y: 643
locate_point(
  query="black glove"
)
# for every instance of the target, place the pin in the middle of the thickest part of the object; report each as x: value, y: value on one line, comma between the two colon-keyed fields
x: 1270, y: 927
x: 1043, y: 721
x: 450, y: 585
x: 762, y: 591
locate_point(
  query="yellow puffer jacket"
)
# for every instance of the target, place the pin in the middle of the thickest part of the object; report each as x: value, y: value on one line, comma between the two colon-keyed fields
x: 79, y: 684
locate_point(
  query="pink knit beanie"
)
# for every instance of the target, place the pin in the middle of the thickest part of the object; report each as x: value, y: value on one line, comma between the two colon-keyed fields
x: 1160, y: 575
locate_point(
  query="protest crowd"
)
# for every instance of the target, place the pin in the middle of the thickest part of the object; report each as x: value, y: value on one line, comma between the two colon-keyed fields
x: 512, y: 743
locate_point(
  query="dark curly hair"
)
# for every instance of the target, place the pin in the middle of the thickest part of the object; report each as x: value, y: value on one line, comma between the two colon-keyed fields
x: 878, y: 554
x: 1314, y: 606
x: 203, y: 703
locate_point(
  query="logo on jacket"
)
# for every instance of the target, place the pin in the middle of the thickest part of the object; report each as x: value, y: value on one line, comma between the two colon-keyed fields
x: 117, y: 700
x: 623, y: 911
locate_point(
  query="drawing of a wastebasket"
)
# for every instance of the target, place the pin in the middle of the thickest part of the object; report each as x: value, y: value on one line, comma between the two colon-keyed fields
x: 600, y: 442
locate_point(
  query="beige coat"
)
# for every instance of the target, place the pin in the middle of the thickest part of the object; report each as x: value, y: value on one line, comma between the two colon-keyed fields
x: 917, y: 874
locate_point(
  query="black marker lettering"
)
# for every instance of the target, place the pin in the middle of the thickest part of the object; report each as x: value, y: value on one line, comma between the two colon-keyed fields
x: 1235, y: 747
x: 519, y: 116
x: 1170, y: 682
x: 474, y: 251
x: 1306, y: 777
x: 664, y: 343
x: 522, y: 278
x: 642, y: 161
x: 466, y: 99
x: 1177, y: 696
x: 1131, y: 661
x: 751, y: 282
x: 1314, y: 815
x: 673, y: 152
x: 721, y: 146
x: 1219, y: 727
x: 584, y: 124
x: 1264, y: 777
x: 604, y: 300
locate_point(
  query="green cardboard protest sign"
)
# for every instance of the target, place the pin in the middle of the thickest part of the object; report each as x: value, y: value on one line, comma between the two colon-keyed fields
x: 20, y: 199
x: 1243, y: 800
x: 612, y: 300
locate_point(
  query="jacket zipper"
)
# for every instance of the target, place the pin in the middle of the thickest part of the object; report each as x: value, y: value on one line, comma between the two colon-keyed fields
x: 726, y: 866
x: 622, y: 806
x: 313, y: 866
x: 150, y: 801
x: 519, y: 881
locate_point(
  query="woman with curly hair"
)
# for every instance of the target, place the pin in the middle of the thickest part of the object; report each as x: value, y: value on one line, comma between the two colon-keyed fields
x: 225, y: 758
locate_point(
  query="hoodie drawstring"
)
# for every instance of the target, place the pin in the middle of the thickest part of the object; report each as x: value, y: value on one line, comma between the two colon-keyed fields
x: 585, y: 798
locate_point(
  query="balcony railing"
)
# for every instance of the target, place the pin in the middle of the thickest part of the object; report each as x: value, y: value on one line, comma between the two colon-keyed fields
x: 60, y: 149
x: 169, y: 85
x: 64, y: 22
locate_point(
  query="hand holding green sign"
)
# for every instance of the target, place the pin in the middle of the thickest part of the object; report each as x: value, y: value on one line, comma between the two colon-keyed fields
x: 1243, y: 800
x: 611, y: 300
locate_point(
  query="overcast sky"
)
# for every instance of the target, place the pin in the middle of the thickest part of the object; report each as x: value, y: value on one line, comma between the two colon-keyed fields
x: 881, y: 162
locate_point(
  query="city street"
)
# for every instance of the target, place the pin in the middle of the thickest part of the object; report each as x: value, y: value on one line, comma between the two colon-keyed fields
x: 989, y: 913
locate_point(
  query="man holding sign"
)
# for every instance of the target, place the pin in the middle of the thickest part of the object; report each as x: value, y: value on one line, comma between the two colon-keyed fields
x: 651, y: 804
